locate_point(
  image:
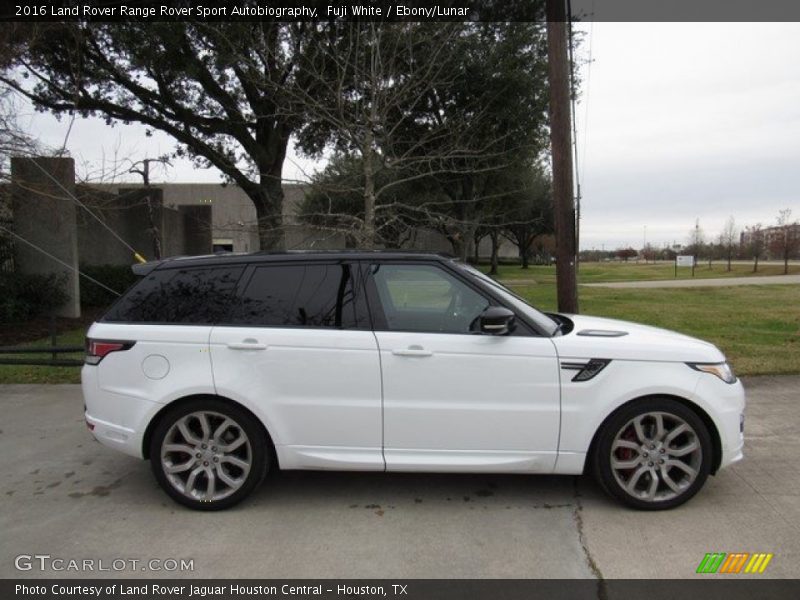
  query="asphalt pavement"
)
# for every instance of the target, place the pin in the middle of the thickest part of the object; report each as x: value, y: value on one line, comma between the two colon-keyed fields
x: 64, y: 495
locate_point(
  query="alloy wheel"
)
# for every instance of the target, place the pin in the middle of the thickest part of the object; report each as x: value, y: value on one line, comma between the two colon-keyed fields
x: 656, y: 456
x: 206, y: 456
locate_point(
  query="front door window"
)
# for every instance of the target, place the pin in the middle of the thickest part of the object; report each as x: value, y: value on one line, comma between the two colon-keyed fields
x: 425, y: 298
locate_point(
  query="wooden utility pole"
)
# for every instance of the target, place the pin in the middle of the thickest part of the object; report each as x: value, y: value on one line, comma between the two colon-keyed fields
x: 561, y: 146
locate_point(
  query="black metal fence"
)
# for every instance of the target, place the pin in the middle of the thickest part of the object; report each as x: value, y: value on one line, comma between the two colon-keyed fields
x: 30, y: 354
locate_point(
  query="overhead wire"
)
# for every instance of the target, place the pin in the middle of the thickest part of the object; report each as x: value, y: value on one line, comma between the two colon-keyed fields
x: 573, y: 105
x: 138, y: 257
x: 58, y: 260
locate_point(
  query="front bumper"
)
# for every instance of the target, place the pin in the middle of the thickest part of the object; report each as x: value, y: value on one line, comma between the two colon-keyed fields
x: 727, y: 404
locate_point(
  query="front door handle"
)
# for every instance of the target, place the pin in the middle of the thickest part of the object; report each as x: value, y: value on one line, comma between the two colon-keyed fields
x: 413, y: 351
x: 248, y: 344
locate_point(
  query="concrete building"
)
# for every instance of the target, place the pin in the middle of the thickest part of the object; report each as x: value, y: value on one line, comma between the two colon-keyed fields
x: 233, y: 219
x: 771, y: 236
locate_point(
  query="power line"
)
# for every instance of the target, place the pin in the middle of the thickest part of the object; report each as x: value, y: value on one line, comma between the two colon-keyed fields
x: 136, y: 255
x: 586, y: 94
x: 573, y: 101
x: 58, y: 260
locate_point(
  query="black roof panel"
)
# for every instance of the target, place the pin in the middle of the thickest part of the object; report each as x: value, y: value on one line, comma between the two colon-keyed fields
x: 257, y: 257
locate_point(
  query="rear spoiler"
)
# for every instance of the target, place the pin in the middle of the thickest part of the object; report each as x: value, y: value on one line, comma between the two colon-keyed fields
x: 142, y: 269
x: 145, y: 268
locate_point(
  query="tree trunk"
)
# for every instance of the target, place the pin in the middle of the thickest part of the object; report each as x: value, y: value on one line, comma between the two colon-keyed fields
x: 267, y: 196
x: 755, y: 264
x: 476, y: 254
x: 729, y: 262
x: 786, y: 260
x: 493, y: 235
x: 468, y: 236
x: 268, y: 200
x: 459, y: 247
x: 368, y: 233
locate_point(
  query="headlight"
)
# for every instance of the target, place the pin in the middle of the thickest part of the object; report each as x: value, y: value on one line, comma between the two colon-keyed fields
x: 722, y: 370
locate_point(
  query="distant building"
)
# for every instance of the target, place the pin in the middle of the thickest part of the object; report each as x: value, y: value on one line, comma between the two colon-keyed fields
x: 770, y: 235
x: 200, y: 218
x: 233, y: 219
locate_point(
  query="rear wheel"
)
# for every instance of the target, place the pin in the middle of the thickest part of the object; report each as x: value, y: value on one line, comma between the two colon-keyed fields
x: 208, y: 454
x: 653, y: 455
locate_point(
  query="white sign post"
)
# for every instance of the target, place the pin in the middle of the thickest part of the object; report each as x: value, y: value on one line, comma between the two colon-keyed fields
x: 684, y: 261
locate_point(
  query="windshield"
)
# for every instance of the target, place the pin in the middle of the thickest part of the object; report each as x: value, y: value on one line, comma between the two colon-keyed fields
x: 545, y: 323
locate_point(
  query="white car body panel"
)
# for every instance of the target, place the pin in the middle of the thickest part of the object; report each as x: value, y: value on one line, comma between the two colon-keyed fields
x: 487, y: 403
x: 345, y: 399
x: 318, y: 392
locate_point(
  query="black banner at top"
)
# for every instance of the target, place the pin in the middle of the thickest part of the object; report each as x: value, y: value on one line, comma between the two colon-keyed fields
x: 397, y: 10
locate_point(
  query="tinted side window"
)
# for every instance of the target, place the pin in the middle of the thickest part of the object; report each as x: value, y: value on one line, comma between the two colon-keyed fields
x: 426, y: 298
x: 193, y: 296
x: 310, y: 295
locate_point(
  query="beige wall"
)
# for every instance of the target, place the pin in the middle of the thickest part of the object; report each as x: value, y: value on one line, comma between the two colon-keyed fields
x: 234, y: 218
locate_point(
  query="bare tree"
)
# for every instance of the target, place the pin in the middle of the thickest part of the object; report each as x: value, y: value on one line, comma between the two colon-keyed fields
x: 369, y: 80
x: 142, y: 168
x: 13, y: 142
x: 696, y: 240
x: 756, y: 244
x: 786, y: 240
x: 410, y: 102
x: 728, y: 240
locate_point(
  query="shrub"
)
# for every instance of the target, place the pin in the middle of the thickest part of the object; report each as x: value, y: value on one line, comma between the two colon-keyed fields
x: 25, y: 296
x: 117, y: 277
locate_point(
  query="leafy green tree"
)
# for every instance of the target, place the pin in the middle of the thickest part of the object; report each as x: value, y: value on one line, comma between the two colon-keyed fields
x: 531, y: 212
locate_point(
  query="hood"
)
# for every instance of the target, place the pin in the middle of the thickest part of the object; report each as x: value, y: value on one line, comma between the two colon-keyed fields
x: 596, y: 337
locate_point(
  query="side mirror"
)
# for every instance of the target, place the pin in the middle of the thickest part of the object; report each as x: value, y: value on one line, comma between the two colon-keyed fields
x: 497, y: 320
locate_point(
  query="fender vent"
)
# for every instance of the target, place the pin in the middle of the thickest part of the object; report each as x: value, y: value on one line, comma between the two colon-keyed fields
x: 587, y: 370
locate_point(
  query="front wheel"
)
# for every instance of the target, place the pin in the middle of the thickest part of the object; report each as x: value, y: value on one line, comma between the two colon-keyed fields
x: 653, y: 455
x: 208, y: 454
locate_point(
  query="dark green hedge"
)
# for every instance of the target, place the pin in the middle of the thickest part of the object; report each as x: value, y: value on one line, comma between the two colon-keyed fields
x: 24, y: 296
x: 117, y: 277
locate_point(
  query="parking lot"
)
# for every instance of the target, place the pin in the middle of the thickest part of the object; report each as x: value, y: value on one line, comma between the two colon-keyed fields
x: 64, y: 495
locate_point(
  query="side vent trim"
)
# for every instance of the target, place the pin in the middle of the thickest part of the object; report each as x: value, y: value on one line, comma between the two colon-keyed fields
x: 586, y: 370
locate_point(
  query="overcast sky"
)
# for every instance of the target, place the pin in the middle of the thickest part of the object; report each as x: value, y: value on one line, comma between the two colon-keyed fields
x: 677, y: 121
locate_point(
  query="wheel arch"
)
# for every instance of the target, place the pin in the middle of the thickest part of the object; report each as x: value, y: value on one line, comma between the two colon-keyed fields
x: 151, y: 426
x: 716, y: 440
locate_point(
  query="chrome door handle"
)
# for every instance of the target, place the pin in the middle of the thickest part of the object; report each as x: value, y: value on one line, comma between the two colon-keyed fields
x: 421, y: 352
x: 247, y: 345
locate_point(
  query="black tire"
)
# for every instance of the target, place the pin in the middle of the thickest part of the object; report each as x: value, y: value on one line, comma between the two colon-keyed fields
x: 257, y: 451
x: 602, y: 455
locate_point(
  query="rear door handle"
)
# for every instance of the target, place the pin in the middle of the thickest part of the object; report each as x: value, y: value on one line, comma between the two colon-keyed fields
x: 413, y: 351
x: 248, y: 344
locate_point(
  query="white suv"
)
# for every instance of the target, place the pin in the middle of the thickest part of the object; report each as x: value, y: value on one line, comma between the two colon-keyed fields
x: 219, y: 368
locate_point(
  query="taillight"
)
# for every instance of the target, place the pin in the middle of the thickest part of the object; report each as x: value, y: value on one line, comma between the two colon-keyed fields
x: 96, y: 350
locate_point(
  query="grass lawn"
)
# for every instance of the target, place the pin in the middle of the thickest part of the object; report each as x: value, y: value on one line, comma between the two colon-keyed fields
x: 757, y: 326
x: 621, y: 271
x: 34, y: 374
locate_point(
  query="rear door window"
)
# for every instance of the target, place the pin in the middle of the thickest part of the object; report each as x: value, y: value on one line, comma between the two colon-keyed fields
x: 198, y: 296
x: 302, y: 295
